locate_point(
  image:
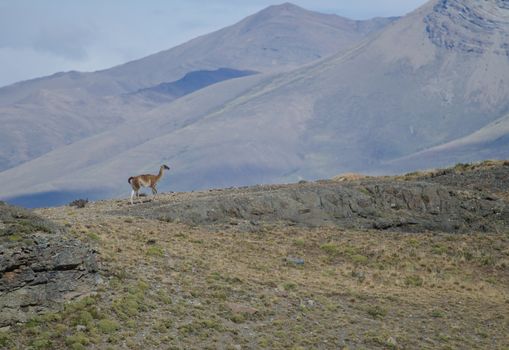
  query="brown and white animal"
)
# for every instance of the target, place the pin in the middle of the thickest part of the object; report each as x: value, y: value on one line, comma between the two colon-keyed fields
x: 146, y: 180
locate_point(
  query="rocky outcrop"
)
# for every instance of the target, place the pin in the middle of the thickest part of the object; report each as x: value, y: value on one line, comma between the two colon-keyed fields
x: 40, y: 266
x: 469, y: 26
x: 375, y: 203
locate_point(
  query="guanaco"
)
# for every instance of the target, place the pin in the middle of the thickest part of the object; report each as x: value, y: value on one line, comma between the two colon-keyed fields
x: 146, y: 180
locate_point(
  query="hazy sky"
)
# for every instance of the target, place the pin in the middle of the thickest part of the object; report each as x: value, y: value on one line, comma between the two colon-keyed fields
x: 39, y: 38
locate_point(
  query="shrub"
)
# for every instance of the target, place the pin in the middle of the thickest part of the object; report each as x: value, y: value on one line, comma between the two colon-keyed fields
x: 376, y: 312
x: 155, y: 250
x: 94, y: 236
x: 237, y: 318
x: 462, y: 167
x: 78, y: 338
x: 79, y: 203
x: 108, y: 326
x: 330, y: 248
x: 5, y: 339
x: 42, y: 343
x: 437, y: 314
x: 414, y: 281
x: 359, y: 259
x: 83, y: 318
x: 289, y: 286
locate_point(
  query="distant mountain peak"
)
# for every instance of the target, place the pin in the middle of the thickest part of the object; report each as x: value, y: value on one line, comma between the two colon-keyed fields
x: 284, y: 7
x: 287, y: 9
x: 470, y: 26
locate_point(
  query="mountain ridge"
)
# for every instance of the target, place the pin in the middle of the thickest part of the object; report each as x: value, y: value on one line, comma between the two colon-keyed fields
x: 277, y: 43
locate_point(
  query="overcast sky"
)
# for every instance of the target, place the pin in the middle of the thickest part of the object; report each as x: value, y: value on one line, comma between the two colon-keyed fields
x: 39, y: 38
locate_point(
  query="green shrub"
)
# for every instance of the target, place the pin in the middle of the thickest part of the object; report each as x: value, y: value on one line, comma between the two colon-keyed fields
x: 77, y: 338
x: 5, y: 339
x: 94, y: 236
x: 108, y: 326
x: 437, y: 314
x: 155, y: 250
x: 376, y: 311
x: 289, y: 286
x: 330, y: 248
x: 237, y: 318
x: 42, y: 343
x: 414, y: 281
x: 359, y: 259
x: 83, y: 318
x: 299, y: 242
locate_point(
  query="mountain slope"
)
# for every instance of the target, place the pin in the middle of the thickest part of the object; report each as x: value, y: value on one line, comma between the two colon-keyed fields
x: 43, y: 114
x: 491, y: 141
x: 432, y: 77
x: 113, y: 148
x: 276, y: 37
x: 281, y: 36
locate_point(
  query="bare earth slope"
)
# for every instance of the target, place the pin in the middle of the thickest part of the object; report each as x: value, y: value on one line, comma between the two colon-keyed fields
x: 230, y: 269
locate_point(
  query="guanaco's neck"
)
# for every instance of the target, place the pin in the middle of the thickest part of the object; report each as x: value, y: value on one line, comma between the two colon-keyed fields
x: 160, y: 173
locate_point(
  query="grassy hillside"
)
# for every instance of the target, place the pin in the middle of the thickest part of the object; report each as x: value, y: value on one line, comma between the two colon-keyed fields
x: 277, y: 285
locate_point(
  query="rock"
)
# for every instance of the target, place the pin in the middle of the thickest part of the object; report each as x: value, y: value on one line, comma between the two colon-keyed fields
x: 457, y: 26
x: 81, y: 328
x: 40, y: 266
x: 294, y: 261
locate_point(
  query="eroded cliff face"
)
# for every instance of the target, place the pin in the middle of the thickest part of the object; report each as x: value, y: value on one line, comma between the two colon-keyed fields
x: 470, y: 26
x: 40, y: 266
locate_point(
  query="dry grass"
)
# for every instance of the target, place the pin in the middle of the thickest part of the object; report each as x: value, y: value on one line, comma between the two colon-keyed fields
x: 349, y: 177
x: 458, y: 168
x: 177, y: 287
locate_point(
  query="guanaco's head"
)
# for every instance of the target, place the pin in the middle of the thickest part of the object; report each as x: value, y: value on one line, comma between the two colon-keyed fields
x: 165, y: 167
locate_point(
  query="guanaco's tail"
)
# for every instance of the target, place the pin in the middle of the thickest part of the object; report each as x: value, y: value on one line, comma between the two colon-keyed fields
x: 129, y: 180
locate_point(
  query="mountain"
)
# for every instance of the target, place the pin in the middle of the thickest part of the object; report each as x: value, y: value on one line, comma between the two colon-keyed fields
x: 433, y: 78
x: 43, y: 114
x: 279, y: 36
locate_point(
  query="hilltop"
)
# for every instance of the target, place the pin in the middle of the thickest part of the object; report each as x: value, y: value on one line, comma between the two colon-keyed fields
x: 417, y: 261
